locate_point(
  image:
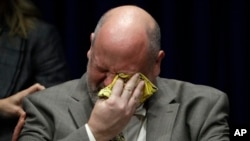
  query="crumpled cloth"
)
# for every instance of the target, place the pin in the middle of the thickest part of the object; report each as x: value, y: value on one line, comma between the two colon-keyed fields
x: 149, y: 87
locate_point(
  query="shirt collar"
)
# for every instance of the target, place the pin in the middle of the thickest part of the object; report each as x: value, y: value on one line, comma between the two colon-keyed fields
x: 140, y: 111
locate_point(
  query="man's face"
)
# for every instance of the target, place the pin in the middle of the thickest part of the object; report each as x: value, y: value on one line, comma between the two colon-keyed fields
x: 106, y: 60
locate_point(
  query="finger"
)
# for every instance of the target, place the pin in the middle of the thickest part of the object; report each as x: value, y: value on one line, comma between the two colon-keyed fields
x: 20, y: 111
x: 39, y: 87
x: 134, y: 101
x: 18, y: 127
x: 130, y: 86
x: 35, y: 87
x: 31, y: 89
x: 117, y: 88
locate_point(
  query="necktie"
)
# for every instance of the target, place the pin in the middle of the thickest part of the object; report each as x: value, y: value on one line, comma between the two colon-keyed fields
x: 119, y: 137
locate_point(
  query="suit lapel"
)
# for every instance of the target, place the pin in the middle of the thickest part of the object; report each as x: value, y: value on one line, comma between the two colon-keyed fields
x: 161, y: 114
x: 80, y: 105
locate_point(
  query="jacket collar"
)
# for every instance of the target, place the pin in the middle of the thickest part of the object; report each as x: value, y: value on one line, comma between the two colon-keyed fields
x: 80, y: 105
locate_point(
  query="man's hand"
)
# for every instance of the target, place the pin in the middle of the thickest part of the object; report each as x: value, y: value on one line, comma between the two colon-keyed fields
x: 110, y: 116
x: 12, y: 106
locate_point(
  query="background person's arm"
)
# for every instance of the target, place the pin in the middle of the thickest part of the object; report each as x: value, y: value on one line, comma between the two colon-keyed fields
x: 12, y: 106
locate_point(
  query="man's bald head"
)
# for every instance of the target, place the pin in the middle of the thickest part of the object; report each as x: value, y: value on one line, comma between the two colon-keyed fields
x: 130, y: 21
x: 127, y: 14
x: 127, y: 40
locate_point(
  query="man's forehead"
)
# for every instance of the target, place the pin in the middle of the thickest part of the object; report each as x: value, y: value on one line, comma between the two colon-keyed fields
x: 116, y: 65
x: 120, y: 42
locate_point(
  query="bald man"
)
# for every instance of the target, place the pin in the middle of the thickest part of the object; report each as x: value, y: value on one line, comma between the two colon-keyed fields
x: 126, y: 40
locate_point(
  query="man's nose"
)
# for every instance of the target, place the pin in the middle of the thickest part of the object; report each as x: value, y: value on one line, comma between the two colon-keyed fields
x: 109, y: 78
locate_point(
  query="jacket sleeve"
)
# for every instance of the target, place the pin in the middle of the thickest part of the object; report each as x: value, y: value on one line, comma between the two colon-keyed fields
x: 40, y: 124
x: 215, y: 126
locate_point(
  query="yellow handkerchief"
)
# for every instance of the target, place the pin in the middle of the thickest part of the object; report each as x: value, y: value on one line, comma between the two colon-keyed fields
x: 149, y: 87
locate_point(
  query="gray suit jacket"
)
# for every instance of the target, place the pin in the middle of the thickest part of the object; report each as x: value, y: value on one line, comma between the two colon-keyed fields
x: 179, y: 111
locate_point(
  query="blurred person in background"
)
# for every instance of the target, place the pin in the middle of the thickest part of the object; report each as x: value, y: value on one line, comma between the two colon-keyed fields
x: 31, y: 59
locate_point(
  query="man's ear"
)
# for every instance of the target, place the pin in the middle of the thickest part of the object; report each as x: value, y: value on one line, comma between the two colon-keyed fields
x: 92, y: 36
x: 157, y: 66
x: 89, y: 53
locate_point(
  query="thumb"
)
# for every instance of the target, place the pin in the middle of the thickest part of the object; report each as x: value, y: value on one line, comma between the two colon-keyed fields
x: 19, y: 127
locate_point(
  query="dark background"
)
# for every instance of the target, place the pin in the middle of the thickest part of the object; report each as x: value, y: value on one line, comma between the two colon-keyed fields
x: 205, y: 41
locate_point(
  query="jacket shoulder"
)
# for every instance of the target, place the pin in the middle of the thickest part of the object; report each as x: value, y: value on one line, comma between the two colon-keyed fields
x: 184, y: 91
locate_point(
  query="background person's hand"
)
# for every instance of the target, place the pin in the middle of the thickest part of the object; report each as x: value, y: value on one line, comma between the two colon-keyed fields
x: 18, y: 127
x: 110, y: 116
x: 12, y: 106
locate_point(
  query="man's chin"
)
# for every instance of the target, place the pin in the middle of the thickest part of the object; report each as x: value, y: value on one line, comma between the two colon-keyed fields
x: 94, y: 95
